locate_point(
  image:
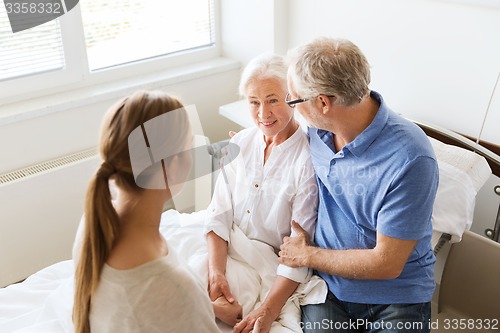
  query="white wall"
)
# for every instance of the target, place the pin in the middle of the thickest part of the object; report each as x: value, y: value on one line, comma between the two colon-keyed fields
x: 252, y: 27
x: 432, y: 60
x: 436, y: 61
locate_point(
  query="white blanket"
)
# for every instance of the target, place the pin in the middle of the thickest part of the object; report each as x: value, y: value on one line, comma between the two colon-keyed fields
x: 43, y: 302
x: 251, y: 268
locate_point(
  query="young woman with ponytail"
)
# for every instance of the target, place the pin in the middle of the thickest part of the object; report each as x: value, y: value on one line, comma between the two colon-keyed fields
x: 127, y: 279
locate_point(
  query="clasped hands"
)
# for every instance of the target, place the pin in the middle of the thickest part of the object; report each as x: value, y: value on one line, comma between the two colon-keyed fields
x: 226, y: 308
x: 293, y: 253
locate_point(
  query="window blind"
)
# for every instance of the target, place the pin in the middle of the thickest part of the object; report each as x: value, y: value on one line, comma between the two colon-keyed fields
x: 122, y: 31
x: 31, y: 51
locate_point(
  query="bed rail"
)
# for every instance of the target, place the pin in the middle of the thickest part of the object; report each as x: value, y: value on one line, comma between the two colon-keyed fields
x: 487, y: 150
x: 459, y: 140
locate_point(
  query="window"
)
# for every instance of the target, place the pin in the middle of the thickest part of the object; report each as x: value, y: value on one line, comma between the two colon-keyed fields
x: 30, y: 51
x: 100, y: 41
x: 120, y: 32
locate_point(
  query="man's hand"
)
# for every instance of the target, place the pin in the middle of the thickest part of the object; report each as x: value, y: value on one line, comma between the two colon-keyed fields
x: 294, y: 251
x: 230, y: 313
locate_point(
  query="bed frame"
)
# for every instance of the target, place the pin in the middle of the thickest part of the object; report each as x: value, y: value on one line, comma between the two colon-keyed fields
x: 489, y: 151
x: 467, y: 290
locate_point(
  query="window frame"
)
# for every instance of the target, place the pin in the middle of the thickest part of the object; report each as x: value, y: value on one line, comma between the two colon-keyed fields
x: 76, y: 73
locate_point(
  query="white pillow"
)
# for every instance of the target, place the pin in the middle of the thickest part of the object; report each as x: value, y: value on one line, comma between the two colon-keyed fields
x: 461, y: 174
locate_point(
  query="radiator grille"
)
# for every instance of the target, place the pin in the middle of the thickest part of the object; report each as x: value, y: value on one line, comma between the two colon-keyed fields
x: 47, y: 166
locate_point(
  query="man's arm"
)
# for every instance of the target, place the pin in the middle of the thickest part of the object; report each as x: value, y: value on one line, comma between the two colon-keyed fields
x: 385, y: 261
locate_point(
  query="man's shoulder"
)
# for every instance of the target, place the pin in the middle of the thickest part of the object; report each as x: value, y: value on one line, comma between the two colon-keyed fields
x: 408, y: 137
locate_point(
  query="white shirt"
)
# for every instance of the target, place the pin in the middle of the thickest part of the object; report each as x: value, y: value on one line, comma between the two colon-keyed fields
x: 262, y: 199
x: 158, y: 296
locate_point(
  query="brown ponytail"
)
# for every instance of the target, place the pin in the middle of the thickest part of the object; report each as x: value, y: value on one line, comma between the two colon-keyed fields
x: 101, y: 226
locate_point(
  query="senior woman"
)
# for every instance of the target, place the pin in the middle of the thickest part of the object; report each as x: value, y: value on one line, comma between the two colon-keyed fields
x: 272, y: 184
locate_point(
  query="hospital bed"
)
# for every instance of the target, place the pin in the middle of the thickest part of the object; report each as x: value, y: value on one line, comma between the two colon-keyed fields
x: 467, y: 267
x: 467, y: 297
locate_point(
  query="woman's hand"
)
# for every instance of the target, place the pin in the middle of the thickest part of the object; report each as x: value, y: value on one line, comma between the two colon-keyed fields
x: 259, y: 320
x: 257, y: 328
x: 230, y: 313
x: 218, y: 286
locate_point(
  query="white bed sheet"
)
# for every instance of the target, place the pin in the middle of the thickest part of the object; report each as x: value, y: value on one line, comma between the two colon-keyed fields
x: 42, y: 303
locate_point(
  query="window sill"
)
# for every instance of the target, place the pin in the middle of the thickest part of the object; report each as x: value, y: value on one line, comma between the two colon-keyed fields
x: 41, y: 106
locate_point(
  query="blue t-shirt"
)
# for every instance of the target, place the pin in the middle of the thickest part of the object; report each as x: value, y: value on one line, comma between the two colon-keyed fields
x: 384, y: 181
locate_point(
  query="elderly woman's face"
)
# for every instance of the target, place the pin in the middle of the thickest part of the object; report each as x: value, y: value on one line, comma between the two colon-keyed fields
x: 266, y: 98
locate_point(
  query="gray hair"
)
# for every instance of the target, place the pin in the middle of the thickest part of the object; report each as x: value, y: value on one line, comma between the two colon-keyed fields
x: 264, y: 66
x: 332, y: 67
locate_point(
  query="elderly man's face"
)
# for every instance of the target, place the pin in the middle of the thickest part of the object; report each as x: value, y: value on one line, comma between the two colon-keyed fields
x: 305, y: 108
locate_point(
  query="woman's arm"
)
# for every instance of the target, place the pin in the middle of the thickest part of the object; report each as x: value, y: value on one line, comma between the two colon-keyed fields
x: 270, y: 309
x: 225, y: 306
x: 217, y: 259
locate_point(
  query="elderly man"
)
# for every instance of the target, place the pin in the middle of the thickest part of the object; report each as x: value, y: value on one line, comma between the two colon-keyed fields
x: 377, y: 179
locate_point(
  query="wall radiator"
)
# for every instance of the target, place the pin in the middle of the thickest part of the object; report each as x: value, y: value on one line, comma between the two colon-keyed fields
x: 40, y: 208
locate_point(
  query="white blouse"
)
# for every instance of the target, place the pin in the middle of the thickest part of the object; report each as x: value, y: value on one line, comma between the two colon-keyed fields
x: 263, y: 199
